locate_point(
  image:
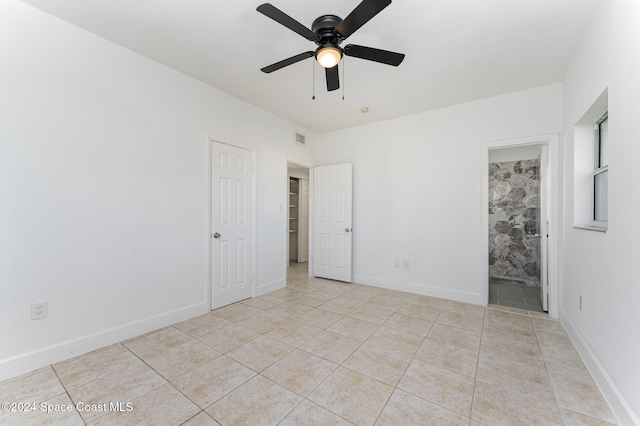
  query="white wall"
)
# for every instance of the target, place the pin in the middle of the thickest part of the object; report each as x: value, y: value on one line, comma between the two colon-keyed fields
x: 104, y: 186
x: 418, y: 190
x: 603, y: 267
x: 503, y: 155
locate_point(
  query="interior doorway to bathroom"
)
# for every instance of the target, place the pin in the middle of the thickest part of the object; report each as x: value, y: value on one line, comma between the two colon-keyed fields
x: 518, y: 223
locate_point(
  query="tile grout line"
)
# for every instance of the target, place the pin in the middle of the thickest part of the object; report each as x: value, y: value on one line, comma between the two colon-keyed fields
x: 407, y: 367
x: 300, y: 348
x: 548, y: 374
x: 166, y: 379
x: 475, y: 377
x: 66, y: 391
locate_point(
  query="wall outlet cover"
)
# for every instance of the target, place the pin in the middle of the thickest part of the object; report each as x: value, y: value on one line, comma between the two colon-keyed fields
x: 39, y: 310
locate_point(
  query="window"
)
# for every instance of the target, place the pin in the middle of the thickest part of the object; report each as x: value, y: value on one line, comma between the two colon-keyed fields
x: 601, y: 170
x: 591, y: 167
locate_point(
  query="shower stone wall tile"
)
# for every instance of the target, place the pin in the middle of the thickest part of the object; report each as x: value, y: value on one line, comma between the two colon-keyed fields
x: 514, y: 251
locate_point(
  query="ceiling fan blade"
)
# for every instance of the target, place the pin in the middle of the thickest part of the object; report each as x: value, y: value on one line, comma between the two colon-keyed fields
x: 360, y: 16
x: 376, y: 55
x: 280, y: 17
x: 286, y: 62
x: 333, y: 81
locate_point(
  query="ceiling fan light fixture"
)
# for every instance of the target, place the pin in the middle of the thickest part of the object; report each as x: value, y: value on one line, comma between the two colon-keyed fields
x: 328, y: 32
x: 329, y: 56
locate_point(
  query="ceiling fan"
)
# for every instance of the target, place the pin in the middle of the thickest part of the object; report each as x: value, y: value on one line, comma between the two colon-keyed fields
x: 328, y: 32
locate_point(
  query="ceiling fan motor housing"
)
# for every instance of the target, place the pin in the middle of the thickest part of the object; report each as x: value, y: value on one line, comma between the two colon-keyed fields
x: 325, y: 27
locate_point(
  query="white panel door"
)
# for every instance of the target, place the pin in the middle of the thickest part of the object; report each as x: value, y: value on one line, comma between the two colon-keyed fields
x: 332, y: 222
x: 231, y: 224
x: 544, y: 226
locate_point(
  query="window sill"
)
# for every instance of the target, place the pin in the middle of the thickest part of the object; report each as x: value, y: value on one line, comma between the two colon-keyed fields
x: 596, y: 228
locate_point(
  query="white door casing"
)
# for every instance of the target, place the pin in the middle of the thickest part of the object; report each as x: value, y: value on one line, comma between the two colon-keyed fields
x: 332, y: 227
x: 231, y: 224
x: 544, y: 227
x: 303, y: 218
x: 553, y: 214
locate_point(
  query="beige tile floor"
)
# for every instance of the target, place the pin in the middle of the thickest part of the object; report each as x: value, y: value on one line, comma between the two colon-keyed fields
x: 320, y: 352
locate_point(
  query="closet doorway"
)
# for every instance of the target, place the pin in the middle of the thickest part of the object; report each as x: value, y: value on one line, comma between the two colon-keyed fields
x: 298, y: 215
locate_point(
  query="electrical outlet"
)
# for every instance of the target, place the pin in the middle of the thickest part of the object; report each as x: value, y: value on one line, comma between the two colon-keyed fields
x: 39, y: 310
x: 406, y: 264
x: 396, y: 263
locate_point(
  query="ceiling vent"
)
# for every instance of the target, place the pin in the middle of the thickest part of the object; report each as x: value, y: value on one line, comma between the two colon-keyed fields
x: 300, y: 138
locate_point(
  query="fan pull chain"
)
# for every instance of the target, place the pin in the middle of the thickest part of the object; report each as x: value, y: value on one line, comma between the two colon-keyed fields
x: 313, y: 67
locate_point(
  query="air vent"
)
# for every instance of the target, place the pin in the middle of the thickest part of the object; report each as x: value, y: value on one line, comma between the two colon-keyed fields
x: 300, y: 138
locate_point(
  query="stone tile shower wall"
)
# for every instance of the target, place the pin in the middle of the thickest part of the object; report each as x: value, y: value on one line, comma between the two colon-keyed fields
x: 514, y: 212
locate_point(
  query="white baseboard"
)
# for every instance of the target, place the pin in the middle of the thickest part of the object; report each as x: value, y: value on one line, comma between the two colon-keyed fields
x: 269, y: 287
x: 619, y: 405
x: 425, y: 290
x: 23, y: 363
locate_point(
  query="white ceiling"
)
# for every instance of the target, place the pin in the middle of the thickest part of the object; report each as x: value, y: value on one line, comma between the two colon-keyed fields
x: 456, y: 50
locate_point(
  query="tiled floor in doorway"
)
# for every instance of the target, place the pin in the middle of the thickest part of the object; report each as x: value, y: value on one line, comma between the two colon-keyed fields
x: 326, y: 353
x: 514, y: 294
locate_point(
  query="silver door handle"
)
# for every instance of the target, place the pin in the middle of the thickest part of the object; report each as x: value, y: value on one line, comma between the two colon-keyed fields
x: 216, y: 235
x: 347, y: 229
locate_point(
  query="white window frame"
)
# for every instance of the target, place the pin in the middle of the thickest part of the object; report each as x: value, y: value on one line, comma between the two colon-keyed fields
x: 598, y: 169
x: 584, y: 165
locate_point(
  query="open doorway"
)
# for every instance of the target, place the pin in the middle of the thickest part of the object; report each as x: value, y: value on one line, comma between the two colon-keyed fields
x: 549, y: 204
x: 319, y: 221
x: 517, y: 179
x: 298, y: 215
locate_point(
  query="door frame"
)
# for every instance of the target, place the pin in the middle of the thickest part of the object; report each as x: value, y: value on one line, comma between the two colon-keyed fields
x: 209, y: 236
x: 553, y: 253
x: 544, y: 231
x: 286, y: 217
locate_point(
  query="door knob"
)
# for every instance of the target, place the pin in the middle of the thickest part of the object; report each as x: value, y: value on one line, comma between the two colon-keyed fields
x: 216, y: 235
x: 347, y: 229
